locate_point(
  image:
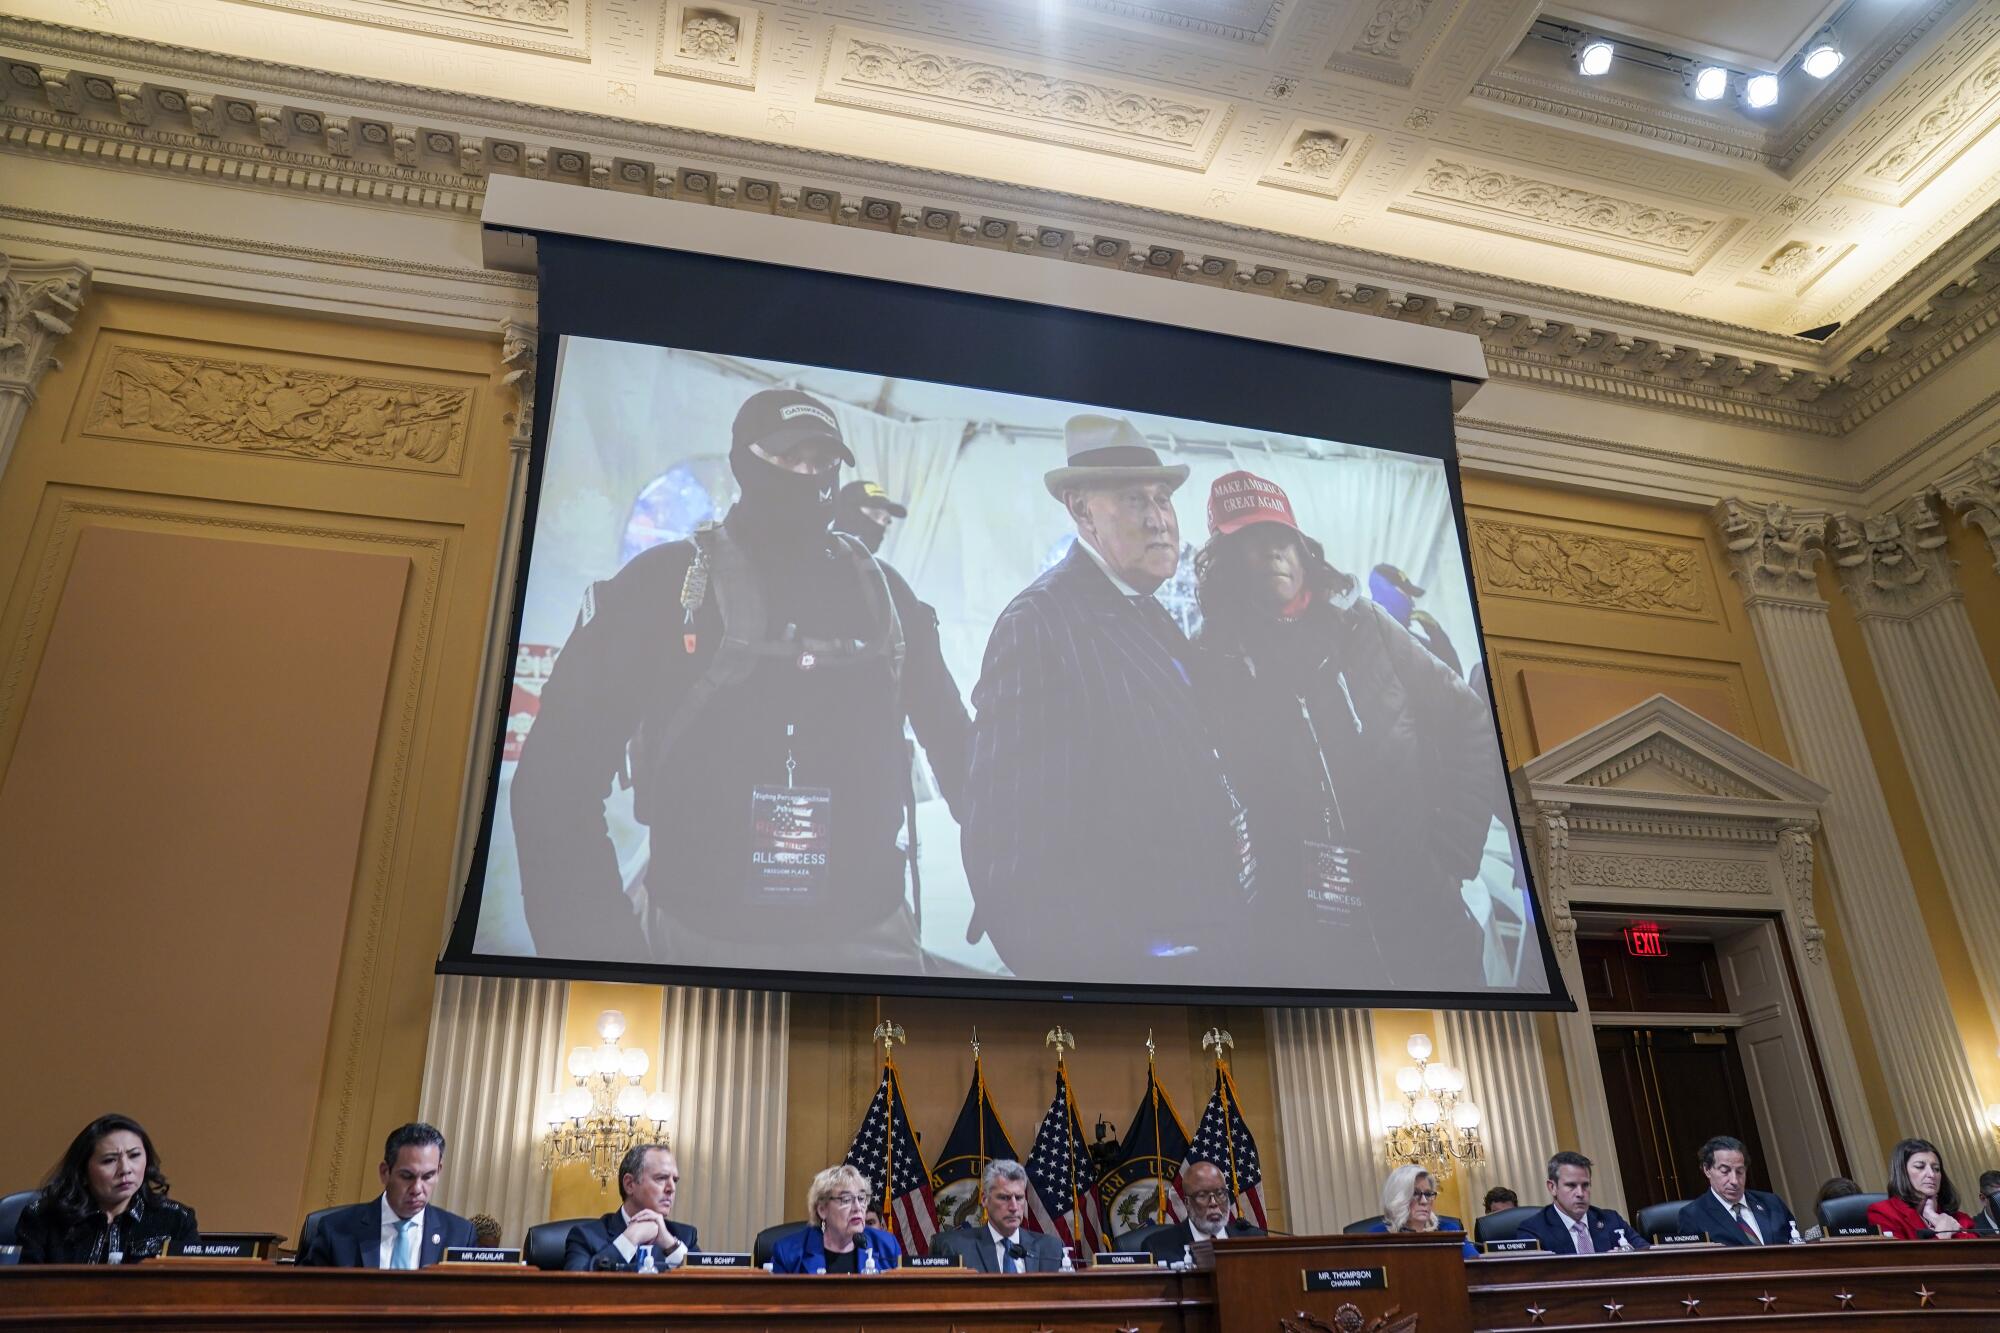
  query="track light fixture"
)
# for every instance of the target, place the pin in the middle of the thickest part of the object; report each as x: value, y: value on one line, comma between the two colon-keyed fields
x: 1708, y: 82
x: 1593, y: 56
x: 1822, y: 55
x: 1761, y: 90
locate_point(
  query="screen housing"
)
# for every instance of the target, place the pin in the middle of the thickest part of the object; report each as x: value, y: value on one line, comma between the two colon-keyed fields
x: 1108, y: 340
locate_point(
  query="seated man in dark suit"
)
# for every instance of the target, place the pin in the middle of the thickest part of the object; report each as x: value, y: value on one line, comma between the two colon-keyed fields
x: 1000, y: 1245
x: 647, y: 1179
x: 1731, y: 1213
x: 1987, y: 1220
x: 1207, y: 1195
x: 399, y: 1229
x: 1569, y: 1225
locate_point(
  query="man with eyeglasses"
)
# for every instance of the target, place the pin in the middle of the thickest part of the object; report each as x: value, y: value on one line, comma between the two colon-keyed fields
x: 1987, y: 1220
x: 1206, y: 1190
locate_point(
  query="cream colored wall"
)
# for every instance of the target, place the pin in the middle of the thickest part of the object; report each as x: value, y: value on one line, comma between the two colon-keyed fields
x: 257, y: 548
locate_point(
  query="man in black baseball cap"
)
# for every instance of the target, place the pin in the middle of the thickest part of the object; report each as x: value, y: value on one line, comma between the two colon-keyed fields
x: 864, y: 510
x: 752, y: 682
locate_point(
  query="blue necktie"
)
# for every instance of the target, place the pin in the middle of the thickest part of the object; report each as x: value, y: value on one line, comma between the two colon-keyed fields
x: 1007, y: 1258
x: 405, y: 1253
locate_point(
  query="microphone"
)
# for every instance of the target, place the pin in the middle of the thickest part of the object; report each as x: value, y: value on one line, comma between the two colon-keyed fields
x: 1018, y: 1253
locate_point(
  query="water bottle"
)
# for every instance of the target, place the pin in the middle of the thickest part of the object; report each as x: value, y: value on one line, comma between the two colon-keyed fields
x: 1068, y: 1266
x: 868, y: 1268
x: 646, y: 1264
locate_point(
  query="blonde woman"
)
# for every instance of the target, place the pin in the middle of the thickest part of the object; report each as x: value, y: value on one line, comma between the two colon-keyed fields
x: 1409, y: 1203
x: 837, y: 1238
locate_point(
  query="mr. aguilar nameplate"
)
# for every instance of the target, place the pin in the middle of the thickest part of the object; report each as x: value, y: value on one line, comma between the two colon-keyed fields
x: 1347, y: 1279
x: 480, y: 1254
x: 932, y: 1261
x: 720, y: 1259
x: 1121, y: 1259
x: 1512, y: 1245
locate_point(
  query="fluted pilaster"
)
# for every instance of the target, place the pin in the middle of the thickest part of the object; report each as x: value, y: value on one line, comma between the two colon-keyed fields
x: 39, y: 301
x: 722, y: 1060
x: 1895, y: 571
x: 1773, y: 551
x: 1327, y: 1097
x: 1504, y: 1075
x: 495, y: 1050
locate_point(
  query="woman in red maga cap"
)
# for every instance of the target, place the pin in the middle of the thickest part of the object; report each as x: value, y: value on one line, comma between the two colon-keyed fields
x: 1355, y: 752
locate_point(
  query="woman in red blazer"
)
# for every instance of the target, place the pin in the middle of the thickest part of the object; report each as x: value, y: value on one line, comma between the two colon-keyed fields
x: 1921, y: 1203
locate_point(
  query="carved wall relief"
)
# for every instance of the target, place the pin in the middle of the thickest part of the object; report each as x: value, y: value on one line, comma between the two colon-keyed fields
x: 214, y: 403
x: 1551, y: 565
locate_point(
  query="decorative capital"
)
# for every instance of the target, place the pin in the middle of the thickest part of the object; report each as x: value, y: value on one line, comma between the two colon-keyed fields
x: 1773, y: 549
x: 1552, y: 830
x: 1972, y: 491
x: 1894, y: 564
x: 1795, y: 853
x: 39, y: 301
x: 518, y: 342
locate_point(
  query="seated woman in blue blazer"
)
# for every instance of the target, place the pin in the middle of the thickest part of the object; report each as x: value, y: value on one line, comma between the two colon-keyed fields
x: 839, y: 1239
x: 1409, y: 1203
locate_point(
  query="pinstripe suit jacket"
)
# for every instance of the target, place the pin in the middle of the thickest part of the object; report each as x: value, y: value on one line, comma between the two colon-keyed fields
x: 1097, y: 835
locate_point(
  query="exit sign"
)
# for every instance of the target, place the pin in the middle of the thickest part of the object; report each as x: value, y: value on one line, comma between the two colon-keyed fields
x: 1645, y: 939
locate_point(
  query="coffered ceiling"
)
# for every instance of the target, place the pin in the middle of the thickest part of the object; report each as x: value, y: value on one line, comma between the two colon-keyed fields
x: 1453, y: 132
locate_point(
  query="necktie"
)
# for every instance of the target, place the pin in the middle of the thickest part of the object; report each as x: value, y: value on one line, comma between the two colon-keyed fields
x: 1582, y: 1234
x: 405, y: 1253
x: 1007, y: 1258
x: 1749, y: 1227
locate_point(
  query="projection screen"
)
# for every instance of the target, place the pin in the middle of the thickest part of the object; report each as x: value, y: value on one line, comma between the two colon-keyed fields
x: 1145, y: 664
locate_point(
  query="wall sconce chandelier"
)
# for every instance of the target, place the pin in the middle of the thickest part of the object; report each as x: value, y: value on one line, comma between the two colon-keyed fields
x: 607, y: 1111
x: 1433, y: 1127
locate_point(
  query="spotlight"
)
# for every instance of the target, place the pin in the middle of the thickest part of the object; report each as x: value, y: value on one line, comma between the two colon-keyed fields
x: 1710, y: 82
x: 1761, y: 90
x: 1593, y: 57
x: 1822, y: 56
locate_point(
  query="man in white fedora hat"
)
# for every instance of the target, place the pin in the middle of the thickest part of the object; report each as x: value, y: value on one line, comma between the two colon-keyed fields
x: 1100, y: 840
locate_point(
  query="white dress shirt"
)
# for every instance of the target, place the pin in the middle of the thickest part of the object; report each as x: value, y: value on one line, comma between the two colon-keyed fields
x: 391, y: 1224
x: 1743, y: 1212
x: 627, y: 1249
x: 1102, y: 564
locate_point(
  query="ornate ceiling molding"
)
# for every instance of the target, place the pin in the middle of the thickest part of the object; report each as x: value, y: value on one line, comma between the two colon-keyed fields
x: 385, y: 145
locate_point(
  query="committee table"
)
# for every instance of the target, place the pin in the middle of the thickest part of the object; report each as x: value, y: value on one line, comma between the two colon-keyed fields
x: 1319, y: 1284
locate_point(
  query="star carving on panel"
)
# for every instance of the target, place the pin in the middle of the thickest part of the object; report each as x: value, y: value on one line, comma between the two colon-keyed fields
x: 1614, y: 1310
x: 1535, y: 1313
x: 1769, y: 1301
x: 1924, y: 1294
x: 1846, y: 1299
x: 1692, y: 1305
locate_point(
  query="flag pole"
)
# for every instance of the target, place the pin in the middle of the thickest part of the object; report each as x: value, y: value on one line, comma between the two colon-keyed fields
x: 979, y: 1087
x: 1227, y: 1086
x: 1153, y: 1091
x: 1059, y: 1039
x: 889, y: 1034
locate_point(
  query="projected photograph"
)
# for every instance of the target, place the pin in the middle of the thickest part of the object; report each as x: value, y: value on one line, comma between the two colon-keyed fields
x: 829, y: 672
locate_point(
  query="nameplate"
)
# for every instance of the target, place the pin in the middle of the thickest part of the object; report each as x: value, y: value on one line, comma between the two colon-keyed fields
x: 1860, y: 1232
x: 1686, y: 1238
x: 222, y: 1245
x: 1512, y: 1245
x: 719, y: 1259
x: 1347, y: 1279
x: 932, y: 1261
x: 480, y: 1254
x: 1121, y: 1259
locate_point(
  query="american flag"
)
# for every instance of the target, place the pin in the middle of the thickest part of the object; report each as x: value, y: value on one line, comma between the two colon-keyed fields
x: 1223, y: 1138
x: 912, y: 1210
x: 1064, y: 1203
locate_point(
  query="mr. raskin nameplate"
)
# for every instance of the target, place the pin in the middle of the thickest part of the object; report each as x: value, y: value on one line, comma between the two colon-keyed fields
x: 1512, y: 1245
x: 1860, y: 1231
x: 720, y: 1259
x: 932, y: 1261
x: 1347, y: 1279
x: 480, y: 1254
x: 1121, y: 1259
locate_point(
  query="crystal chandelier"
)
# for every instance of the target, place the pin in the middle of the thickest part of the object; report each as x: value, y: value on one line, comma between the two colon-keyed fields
x: 607, y: 1111
x: 1433, y: 1127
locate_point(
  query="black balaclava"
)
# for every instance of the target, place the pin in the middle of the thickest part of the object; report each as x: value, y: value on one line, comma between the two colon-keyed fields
x: 778, y: 503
